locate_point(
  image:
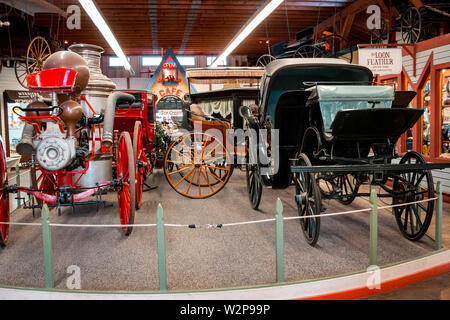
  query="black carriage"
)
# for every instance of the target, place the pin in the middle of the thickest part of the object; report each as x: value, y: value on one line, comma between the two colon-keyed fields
x: 421, y: 23
x: 337, y: 131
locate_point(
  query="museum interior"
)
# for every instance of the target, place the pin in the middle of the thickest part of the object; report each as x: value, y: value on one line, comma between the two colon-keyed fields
x: 225, y: 150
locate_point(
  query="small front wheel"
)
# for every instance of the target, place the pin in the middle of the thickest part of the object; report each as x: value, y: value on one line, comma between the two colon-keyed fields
x: 308, y: 200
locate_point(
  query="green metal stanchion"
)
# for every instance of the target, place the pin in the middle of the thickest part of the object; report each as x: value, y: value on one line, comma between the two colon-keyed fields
x: 161, y: 249
x: 373, y: 228
x: 280, y: 241
x: 438, y: 218
x: 47, y: 245
x: 18, y: 183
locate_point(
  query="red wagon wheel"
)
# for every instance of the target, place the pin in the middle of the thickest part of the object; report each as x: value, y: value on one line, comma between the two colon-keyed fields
x: 44, y: 182
x: 139, y: 156
x: 127, y: 173
x: 194, y: 154
x: 4, y: 198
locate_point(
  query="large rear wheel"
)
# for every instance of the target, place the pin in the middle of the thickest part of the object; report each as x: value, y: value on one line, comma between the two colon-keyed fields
x: 197, y: 158
x: 126, y: 172
x: 413, y: 220
x: 4, y: 198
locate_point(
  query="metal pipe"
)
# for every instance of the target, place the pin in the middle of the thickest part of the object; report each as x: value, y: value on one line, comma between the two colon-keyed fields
x: 108, y: 127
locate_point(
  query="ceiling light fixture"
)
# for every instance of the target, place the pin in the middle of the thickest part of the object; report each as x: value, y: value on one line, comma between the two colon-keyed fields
x: 96, y: 17
x: 257, y: 18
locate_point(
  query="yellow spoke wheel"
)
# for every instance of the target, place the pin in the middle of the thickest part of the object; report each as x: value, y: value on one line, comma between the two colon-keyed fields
x: 197, y: 165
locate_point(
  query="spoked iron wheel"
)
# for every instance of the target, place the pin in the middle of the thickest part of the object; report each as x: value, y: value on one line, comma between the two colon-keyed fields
x: 254, y: 185
x: 380, y: 35
x: 139, y: 156
x: 348, y: 186
x: 334, y: 43
x: 194, y: 155
x: 38, y: 51
x: 413, y: 219
x: 308, y: 51
x: 21, y: 71
x: 43, y: 181
x: 308, y: 200
x: 411, y: 25
x: 126, y: 171
x: 4, y: 198
x: 264, y: 60
x: 253, y: 177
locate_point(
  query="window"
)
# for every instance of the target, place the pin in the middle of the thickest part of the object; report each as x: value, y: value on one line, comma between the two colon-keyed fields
x: 186, y: 61
x: 115, y: 62
x: 445, y: 113
x: 151, y: 61
x: 426, y: 95
x: 210, y: 60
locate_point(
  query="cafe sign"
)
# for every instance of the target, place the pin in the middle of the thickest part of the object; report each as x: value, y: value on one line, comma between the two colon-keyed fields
x: 381, y: 61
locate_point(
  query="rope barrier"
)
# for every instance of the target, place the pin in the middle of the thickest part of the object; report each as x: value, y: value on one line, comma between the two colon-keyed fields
x: 211, y: 226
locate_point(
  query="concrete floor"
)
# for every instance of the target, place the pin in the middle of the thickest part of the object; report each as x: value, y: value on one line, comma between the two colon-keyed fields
x: 202, y: 258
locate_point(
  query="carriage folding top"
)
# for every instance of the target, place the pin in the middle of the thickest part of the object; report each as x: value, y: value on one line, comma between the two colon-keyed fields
x: 337, y: 130
x: 222, y: 90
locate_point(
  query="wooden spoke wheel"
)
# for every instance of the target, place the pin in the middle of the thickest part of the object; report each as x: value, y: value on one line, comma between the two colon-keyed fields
x: 411, y: 25
x: 21, y: 71
x: 219, y: 170
x: 326, y: 187
x: 333, y: 45
x: 254, y: 184
x: 308, y: 200
x: 38, y: 51
x: 264, y: 60
x: 380, y: 35
x: 253, y: 177
x: 414, y: 219
x: 126, y: 171
x: 43, y: 181
x: 139, y: 156
x: 4, y: 198
x: 348, y: 186
x: 308, y: 51
x: 194, y: 155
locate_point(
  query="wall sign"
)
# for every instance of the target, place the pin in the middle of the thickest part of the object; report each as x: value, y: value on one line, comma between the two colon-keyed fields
x: 381, y: 61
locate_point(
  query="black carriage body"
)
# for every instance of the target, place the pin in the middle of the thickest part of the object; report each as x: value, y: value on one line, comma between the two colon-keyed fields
x: 290, y: 104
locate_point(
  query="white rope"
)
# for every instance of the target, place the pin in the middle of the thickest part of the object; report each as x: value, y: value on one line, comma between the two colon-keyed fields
x: 100, y: 225
x: 248, y: 222
x: 327, y: 214
x: 209, y: 226
x: 23, y: 223
x: 406, y: 204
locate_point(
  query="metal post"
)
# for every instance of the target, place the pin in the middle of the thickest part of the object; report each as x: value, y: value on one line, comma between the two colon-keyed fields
x: 280, y: 241
x: 438, y: 219
x: 18, y: 184
x: 161, y: 249
x: 373, y: 228
x: 47, y: 245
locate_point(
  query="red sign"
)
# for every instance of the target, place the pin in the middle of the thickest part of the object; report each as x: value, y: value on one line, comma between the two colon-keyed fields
x: 174, y: 91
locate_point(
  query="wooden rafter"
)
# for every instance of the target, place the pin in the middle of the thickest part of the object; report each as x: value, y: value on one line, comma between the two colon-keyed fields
x: 350, y: 10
